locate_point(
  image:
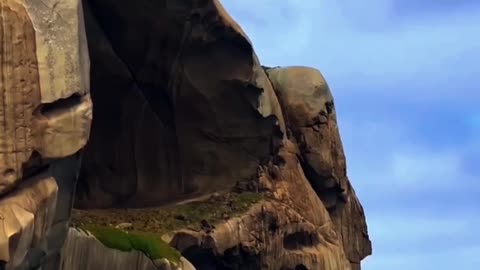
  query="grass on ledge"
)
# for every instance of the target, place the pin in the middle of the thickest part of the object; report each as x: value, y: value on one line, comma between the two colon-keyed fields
x: 167, y: 219
x: 149, y: 243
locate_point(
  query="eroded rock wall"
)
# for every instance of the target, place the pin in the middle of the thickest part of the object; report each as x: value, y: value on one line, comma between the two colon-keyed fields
x: 311, y: 121
x: 193, y: 111
x: 45, y: 114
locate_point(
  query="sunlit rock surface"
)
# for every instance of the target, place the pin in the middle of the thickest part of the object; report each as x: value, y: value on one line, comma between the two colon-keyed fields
x: 45, y: 115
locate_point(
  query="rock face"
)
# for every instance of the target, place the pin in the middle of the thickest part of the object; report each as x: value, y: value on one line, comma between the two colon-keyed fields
x: 27, y: 217
x: 45, y: 117
x: 182, y: 109
x: 290, y: 230
x: 46, y: 107
x: 194, y: 111
x: 312, y: 124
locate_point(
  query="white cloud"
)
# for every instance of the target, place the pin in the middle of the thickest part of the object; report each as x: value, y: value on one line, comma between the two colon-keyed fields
x: 417, y: 59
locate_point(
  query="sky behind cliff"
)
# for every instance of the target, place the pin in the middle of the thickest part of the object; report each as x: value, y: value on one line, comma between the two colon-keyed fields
x: 405, y: 76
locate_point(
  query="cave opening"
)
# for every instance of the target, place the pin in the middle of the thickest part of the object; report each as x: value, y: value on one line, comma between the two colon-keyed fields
x: 235, y: 258
x: 299, y: 240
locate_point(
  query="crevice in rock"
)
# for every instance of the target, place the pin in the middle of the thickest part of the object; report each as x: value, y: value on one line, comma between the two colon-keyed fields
x: 59, y: 105
x: 297, y: 267
x: 300, y: 239
x: 201, y: 258
x: 325, y: 186
x: 301, y: 267
x: 34, y: 165
x: 236, y: 258
x: 273, y: 224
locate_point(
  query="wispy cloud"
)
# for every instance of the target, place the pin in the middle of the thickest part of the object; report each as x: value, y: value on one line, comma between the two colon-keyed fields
x: 308, y: 33
x: 404, y: 74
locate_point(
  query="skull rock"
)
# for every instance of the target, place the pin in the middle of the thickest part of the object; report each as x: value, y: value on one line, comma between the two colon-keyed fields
x: 311, y: 122
x: 45, y: 115
x: 269, y: 236
x: 308, y: 105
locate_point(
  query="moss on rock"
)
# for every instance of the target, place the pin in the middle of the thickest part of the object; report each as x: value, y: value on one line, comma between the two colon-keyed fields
x: 149, y: 243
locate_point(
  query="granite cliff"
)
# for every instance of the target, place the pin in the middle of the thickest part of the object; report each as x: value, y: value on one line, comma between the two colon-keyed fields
x: 156, y: 118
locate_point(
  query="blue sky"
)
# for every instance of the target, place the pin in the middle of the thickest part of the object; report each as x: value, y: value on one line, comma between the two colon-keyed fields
x: 403, y: 76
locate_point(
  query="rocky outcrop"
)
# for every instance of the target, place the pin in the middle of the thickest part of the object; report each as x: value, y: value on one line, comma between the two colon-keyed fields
x: 312, y: 125
x: 291, y: 229
x: 45, y: 112
x: 182, y: 109
x: 26, y: 214
x: 46, y: 108
x: 271, y: 235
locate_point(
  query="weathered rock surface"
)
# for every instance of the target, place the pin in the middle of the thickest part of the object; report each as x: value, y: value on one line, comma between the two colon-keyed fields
x: 290, y: 230
x: 182, y: 108
x: 190, y: 116
x: 176, y: 129
x: 270, y: 236
x: 44, y: 66
x: 83, y: 251
x: 312, y: 124
x: 25, y: 219
x: 45, y: 114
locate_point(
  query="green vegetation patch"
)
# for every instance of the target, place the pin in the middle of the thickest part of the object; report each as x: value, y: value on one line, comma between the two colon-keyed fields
x: 149, y: 243
x: 193, y: 215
